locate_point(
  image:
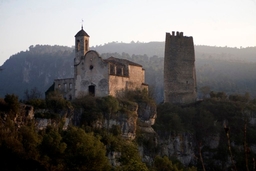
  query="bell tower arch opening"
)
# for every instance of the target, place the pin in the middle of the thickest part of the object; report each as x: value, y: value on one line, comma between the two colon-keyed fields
x: 77, y: 45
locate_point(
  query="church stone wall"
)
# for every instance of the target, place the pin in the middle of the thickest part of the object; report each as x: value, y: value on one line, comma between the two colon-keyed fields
x: 91, y: 71
x: 179, y: 69
x: 134, y: 80
x: 117, y: 84
x: 65, y: 87
x: 136, y: 74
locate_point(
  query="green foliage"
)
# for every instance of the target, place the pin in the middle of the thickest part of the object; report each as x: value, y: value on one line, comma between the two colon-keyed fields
x: 170, y: 122
x: 30, y: 141
x: 97, y: 108
x: 108, y: 104
x: 19, y: 146
x: 204, y: 125
x: 75, y: 149
x: 137, y: 95
x: 133, y: 165
x: 130, y: 158
x: 240, y: 98
x: 84, y: 151
x: 165, y: 164
x: 174, y: 119
x: 50, y: 149
x: 37, y: 103
x: 205, y: 119
x: 84, y: 102
x: 13, y: 104
x: 128, y: 107
x: 112, y: 142
x: 47, y: 115
x: 218, y: 95
x: 115, y: 130
x: 56, y: 102
x: 3, y: 105
x: 90, y: 107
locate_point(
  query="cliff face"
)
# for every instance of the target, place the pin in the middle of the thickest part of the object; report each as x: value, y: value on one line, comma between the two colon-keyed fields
x: 126, y: 120
x: 134, y: 121
x: 180, y: 146
x: 37, y: 67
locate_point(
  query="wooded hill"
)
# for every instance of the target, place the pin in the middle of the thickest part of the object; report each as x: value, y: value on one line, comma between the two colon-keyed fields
x: 220, y: 69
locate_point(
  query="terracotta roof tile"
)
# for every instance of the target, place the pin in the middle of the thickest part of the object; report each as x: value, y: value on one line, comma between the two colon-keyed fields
x: 123, y: 61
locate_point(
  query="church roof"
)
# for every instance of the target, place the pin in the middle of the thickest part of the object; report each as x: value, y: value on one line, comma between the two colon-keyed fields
x: 81, y: 33
x: 121, y: 61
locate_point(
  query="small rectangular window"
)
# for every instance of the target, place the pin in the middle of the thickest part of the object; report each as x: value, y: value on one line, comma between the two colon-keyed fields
x: 65, y: 87
x: 70, y: 86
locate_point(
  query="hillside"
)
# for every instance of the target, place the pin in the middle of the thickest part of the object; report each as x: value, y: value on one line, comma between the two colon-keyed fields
x: 127, y: 133
x: 221, y: 68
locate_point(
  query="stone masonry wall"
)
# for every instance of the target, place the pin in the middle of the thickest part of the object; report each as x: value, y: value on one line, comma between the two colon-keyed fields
x: 65, y: 87
x: 179, y: 69
x: 92, y: 70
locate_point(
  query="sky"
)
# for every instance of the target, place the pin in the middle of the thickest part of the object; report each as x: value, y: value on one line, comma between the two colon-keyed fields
x: 24, y: 23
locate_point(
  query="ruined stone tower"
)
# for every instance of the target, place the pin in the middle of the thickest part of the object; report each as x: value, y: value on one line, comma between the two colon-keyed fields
x: 179, y: 69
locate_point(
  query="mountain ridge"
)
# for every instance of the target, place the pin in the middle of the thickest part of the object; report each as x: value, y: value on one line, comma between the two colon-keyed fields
x: 221, y: 68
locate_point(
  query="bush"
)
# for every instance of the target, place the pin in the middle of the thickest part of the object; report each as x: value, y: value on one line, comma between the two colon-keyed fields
x: 56, y: 102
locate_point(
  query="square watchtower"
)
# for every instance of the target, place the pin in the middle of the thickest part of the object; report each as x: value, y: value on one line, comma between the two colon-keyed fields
x: 179, y: 69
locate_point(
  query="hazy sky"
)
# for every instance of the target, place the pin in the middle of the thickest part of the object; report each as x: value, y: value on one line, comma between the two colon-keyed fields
x: 55, y: 22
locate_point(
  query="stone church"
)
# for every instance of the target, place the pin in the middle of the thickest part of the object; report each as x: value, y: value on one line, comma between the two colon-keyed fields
x: 99, y: 77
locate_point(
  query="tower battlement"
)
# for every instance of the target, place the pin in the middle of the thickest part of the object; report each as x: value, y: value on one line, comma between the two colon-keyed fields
x: 178, y: 34
x: 179, y: 69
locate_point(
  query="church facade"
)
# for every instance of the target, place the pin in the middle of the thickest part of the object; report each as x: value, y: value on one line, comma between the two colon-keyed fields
x: 99, y: 77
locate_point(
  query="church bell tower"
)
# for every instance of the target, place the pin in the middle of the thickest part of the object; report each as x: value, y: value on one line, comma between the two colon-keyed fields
x: 81, y: 44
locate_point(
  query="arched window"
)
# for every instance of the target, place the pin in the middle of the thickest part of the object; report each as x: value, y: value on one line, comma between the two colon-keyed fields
x: 86, y: 45
x: 119, y: 71
x: 65, y: 87
x: 112, y: 69
x: 77, y: 45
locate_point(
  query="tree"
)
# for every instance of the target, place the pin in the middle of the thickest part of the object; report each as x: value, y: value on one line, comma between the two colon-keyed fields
x: 56, y: 102
x: 34, y: 93
x: 205, y: 91
x: 52, y: 149
x: 218, y: 95
x: 12, y: 103
x: 130, y: 158
x: 241, y: 98
x: 30, y: 141
x: 84, y: 151
x: 110, y: 104
x: 164, y: 164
